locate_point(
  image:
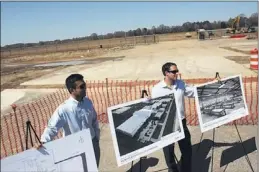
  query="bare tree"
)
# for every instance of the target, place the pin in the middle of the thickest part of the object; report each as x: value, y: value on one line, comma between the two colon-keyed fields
x: 254, y: 19
x: 94, y: 36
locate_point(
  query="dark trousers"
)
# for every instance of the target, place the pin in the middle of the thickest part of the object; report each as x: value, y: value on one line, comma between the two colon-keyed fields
x: 186, y: 151
x: 96, y: 150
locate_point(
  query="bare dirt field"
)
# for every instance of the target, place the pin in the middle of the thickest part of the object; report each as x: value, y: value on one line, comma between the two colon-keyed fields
x: 80, y: 46
x: 17, y: 70
x: 12, y: 78
x: 195, y: 59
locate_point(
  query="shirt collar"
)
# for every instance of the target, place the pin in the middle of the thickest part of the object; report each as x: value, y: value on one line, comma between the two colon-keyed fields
x: 75, y: 101
x: 164, y: 85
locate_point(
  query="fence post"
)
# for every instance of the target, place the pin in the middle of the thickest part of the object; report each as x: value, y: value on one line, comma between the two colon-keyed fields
x: 16, y: 120
x: 108, y: 97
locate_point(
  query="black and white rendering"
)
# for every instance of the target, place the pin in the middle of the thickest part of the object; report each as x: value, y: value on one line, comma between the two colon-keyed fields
x: 71, y: 153
x: 143, y: 126
x: 220, y: 102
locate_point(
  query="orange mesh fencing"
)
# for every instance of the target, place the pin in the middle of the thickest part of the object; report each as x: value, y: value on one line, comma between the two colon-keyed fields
x: 103, y: 94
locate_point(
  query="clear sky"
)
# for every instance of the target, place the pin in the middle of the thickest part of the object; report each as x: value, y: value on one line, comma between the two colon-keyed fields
x: 24, y: 22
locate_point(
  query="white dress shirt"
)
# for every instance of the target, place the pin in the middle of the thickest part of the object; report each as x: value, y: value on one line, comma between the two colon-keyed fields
x: 180, y: 89
x: 72, y: 116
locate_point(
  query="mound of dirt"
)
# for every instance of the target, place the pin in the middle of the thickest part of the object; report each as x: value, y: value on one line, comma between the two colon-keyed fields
x: 239, y: 59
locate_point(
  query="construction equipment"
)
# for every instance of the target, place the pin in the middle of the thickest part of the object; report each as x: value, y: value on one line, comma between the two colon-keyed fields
x: 201, y: 34
x: 235, y: 26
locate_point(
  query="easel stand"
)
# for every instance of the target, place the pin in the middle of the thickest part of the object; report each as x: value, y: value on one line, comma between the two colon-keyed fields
x: 213, y: 139
x: 28, y: 132
x: 145, y: 157
x: 213, y: 145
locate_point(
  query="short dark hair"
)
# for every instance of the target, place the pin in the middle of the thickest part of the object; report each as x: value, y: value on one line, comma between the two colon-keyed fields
x: 71, y: 80
x: 166, y: 67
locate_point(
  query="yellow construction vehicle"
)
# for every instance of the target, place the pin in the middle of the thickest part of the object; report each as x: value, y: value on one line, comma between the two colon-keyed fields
x: 235, y: 26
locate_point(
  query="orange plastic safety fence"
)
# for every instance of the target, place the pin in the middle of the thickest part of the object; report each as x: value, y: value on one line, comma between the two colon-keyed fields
x: 103, y: 94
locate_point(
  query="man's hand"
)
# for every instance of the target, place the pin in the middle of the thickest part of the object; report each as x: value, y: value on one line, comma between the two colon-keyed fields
x: 215, y: 80
x: 147, y: 99
x: 179, y: 75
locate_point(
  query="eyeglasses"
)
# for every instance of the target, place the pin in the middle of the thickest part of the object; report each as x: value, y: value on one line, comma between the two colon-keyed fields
x: 173, y: 71
x: 83, y: 86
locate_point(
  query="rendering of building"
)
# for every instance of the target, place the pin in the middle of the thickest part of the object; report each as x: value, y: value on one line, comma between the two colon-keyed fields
x: 220, y: 99
x: 134, y: 123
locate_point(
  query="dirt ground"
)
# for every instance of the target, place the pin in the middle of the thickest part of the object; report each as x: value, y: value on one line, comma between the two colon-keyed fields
x: 12, y: 78
x: 15, y: 71
x: 186, y: 53
x: 239, y: 59
x: 195, y: 59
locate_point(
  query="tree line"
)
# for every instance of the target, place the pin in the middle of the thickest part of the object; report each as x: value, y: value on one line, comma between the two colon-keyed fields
x: 251, y: 21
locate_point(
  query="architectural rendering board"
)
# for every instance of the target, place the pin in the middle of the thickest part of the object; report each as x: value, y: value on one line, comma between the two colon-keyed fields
x: 143, y: 126
x: 220, y: 102
x: 71, y: 153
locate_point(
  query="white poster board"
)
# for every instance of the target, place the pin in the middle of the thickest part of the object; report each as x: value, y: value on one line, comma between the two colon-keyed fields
x: 143, y: 126
x: 71, y: 153
x: 219, y: 103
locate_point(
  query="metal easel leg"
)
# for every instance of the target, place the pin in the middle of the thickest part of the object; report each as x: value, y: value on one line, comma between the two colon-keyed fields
x: 177, y: 162
x: 213, y: 144
x: 131, y: 169
x: 35, y: 133
x: 26, y: 137
x: 247, y: 158
x: 28, y: 132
